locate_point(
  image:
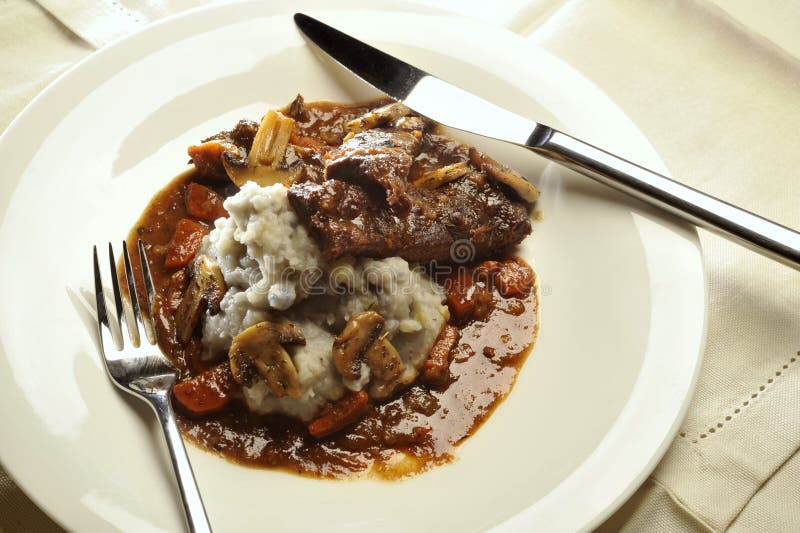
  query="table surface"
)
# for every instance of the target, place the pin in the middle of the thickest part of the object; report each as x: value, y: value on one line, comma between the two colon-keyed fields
x: 715, y: 86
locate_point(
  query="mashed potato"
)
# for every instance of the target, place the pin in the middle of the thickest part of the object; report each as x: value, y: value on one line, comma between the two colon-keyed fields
x: 261, y: 248
x: 274, y: 269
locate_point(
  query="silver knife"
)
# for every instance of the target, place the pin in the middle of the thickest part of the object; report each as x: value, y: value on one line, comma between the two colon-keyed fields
x: 445, y: 103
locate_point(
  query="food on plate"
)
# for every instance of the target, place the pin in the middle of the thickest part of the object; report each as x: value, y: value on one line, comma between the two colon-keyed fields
x: 337, y: 287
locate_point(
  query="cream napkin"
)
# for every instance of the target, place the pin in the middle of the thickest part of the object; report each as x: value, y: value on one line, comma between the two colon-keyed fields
x: 34, y: 49
x: 714, y: 85
x: 100, y: 22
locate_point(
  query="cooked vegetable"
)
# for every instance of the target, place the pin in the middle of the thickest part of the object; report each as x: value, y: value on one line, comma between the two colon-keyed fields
x: 386, y: 366
x: 205, y: 291
x: 361, y: 341
x: 208, y: 392
x: 184, y: 244
x: 352, y: 343
x: 465, y: 298
x: 271, y: 140
x: 377, y: 117
x: 484, y: 303
x: 178, y: 282
x: 513, y: 278
x: 486, y: 271
x: 437, y: 365
x: 381, y: 390
x: 341, y: 414
x: 308, y: 142
x: 260, y: 348
x: 240, y: 173
x: 383, y: 359
x: 203, y: 203
x: 458, y: 287
x: 297, y: 108
x: 440, y: 176
x: 263, y: 163
x: 505, y: 175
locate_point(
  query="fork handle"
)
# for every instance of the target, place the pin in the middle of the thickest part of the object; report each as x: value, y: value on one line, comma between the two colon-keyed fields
x: 193, y: 508
x: 750, y: 230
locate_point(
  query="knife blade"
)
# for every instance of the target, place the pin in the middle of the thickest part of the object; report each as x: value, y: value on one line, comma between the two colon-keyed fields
x: 454, y: 107
x: 424, y: 93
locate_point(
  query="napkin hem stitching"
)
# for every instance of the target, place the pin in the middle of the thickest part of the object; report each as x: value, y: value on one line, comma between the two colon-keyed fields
x: 714, y: 428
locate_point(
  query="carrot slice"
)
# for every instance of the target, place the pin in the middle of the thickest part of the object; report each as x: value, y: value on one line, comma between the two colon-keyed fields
x: 342, y: 413
x: 185, y: 243
x: 306, y: 142
x: 208, y: 392
x: 203, y: 203
x: 487, y: 270
x: 436, y: 366
x: 460, y: 289
x: 513, y: 279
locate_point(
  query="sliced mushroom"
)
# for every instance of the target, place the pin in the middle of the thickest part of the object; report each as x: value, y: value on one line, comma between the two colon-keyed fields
x: 240, y: 172
x: 377, y: 117
x: 178, y: 283
x: 297, y: 108
x: 205, y: 291
x: 260, y: 349
x: 350, y: 346
x: 383, y: 359
x: 187, y: 313
x: 363, y: 340
x: 380, y: 390
x: 386, y: 366
x: 263, y: 163
x: 505, y: 175
x: 436, y: 178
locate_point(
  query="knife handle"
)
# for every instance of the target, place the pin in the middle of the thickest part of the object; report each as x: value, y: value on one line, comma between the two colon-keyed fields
x: 750, y: 230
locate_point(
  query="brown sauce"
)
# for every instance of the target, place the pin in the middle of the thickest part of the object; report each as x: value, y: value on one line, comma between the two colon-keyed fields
x: 410, y: 433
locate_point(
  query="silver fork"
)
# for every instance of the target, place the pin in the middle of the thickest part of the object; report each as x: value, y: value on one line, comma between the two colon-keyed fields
x: 139, y: 368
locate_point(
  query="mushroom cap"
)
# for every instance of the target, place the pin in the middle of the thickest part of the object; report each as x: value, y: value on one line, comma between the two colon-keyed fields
x: 259, y: 349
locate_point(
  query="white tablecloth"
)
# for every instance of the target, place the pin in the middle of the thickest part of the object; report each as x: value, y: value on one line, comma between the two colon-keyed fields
x: 715, y: 85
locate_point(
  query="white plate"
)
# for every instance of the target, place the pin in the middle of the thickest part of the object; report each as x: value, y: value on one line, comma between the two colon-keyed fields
x: 595, y: 405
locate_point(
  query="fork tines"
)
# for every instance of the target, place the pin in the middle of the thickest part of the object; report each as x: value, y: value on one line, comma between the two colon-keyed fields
x: 127, y: 310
